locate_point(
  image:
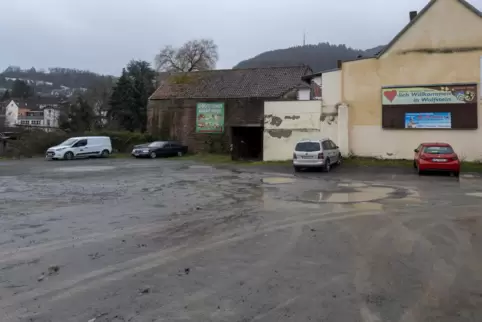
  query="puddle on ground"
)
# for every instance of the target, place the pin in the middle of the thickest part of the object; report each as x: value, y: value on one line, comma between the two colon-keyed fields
x: 474, y: 194
x: 352, y: 185
x: 348, y: 195
x: 205, y: 167
x: 84, y: 169
x: 367, y: 206
x: 277, y: 180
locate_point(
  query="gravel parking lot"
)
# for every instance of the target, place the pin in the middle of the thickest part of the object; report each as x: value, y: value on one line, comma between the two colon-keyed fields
x: 169, y: 240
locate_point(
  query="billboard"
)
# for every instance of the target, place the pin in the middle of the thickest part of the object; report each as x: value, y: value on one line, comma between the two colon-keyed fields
x: 441, y: 94
x: 438, y: 120
x: 210, y: 117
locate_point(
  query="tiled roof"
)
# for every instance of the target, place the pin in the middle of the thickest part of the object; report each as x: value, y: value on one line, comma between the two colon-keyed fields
x: 34, y: 102
x: 270, y: 82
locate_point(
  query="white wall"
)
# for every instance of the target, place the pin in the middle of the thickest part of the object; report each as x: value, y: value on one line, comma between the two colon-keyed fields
x: 304, y: 94
x: 51, y: 117
x: 288, y: 122
x: 373, y: 141
x: 331, y: 90
x: 11, y: 114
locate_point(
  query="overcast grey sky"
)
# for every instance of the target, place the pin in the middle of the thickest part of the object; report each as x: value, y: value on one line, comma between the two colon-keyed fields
x: 103, y: 35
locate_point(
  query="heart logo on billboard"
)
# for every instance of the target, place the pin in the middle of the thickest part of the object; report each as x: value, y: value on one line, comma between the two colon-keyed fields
x: 390, y: 95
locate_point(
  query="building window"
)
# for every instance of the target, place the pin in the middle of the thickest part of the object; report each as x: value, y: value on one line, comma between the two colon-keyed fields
x: 48, y: 122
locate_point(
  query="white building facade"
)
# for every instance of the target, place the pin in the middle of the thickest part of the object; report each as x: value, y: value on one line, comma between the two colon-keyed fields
x: 42, y: 115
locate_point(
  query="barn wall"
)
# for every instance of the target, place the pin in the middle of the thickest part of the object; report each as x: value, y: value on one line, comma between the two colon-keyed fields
x: 176, y: 120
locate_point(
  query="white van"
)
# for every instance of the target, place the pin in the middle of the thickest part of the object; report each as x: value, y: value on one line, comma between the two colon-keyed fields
x: 81, y: 147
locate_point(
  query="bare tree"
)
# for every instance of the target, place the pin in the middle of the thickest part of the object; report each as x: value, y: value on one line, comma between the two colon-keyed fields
x: 194, y: 55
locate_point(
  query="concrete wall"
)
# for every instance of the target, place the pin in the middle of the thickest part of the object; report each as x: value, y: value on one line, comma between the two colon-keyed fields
x: 331, y: 90
x: 304, y: 94
x: 420, y: 56
x: 286, y: 123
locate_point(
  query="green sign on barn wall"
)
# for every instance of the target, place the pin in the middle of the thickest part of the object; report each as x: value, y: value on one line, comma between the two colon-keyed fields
x: 210, y: 117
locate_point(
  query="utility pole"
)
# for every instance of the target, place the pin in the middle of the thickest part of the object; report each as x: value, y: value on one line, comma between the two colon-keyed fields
x: 304, y: 37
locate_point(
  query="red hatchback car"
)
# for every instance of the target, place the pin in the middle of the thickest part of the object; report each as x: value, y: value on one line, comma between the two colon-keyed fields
x: 436, y: 157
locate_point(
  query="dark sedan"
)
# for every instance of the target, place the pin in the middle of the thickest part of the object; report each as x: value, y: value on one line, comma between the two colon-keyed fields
x: 159, y: 149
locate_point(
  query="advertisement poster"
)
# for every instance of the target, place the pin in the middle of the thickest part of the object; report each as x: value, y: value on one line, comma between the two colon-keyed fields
x: 440, y: 120
x: 444, y: 94
x: 210, y: 118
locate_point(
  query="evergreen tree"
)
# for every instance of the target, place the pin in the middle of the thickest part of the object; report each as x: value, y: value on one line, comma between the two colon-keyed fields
x: 130, y: 96
x: 6, y: 96
x: 142, y: 77
x: 121, y: 102
x: 20, y: 89
x: 80, y: 117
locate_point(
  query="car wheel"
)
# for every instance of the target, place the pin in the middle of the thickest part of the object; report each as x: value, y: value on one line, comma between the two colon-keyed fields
x: 327, y: 166
x: 457, y: 174
x: 153, y: 155
x: 180, y: 154
x: 68, y: 156
x: 420, y: 172
x: 297, y: 169
x: 104, y: 154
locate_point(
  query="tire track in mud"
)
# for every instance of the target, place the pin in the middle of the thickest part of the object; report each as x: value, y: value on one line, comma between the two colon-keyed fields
x: 440, y: 277
x: 113, y: 273
x: 55, y: 245
x: 259, y: 267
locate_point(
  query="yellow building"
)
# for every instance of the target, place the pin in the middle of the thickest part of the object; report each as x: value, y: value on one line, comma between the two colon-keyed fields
x: 432, y: 66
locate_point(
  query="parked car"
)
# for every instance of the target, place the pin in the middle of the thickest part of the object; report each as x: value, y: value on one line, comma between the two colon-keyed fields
x: 159, y: 149
x: 436, y: 157
x: 81, y: 147
x: 316, y: 154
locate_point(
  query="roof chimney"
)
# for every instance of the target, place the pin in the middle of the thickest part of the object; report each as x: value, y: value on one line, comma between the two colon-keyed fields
x: 413, y: 14
x: 339, y: 63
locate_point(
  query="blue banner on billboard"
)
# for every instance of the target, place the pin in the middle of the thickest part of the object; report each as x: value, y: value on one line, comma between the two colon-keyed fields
x: 441, y: 120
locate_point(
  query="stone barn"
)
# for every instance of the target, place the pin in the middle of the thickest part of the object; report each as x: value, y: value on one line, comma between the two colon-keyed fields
x: 221, y: 111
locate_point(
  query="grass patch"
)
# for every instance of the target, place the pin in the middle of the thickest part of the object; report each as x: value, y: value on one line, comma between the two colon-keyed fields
x: 374, y: 162
x: 117, y: 155
x: 471, y: 167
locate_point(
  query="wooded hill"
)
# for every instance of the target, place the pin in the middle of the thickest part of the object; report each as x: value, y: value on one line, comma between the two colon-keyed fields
x: 322, y: 56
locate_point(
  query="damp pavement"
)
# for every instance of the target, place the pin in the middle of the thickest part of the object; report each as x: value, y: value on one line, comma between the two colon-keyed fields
x: 169, y: 240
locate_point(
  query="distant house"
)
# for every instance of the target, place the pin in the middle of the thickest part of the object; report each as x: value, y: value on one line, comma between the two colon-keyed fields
x: 222, y: 110
x: 35, y: 112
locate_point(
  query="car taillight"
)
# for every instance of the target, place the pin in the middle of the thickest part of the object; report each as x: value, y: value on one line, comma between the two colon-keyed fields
x: 320, y: 155
x: 423, y: 157
x: 454, y: 158
x: 294, y: 155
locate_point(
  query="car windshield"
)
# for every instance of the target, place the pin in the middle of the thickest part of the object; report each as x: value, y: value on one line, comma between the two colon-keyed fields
x: 307, y: 147
x: 156, y: 144
x: 438, y: 150
x: 68, y: 142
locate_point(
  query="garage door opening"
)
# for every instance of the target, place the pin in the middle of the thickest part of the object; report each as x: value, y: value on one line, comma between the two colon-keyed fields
x: 247, y: 143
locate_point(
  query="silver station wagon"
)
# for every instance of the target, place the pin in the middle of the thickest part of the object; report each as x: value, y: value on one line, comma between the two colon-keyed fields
x: 316, y: 154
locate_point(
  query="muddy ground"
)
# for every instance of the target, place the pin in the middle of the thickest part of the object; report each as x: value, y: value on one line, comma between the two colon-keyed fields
x: 169, y: 240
